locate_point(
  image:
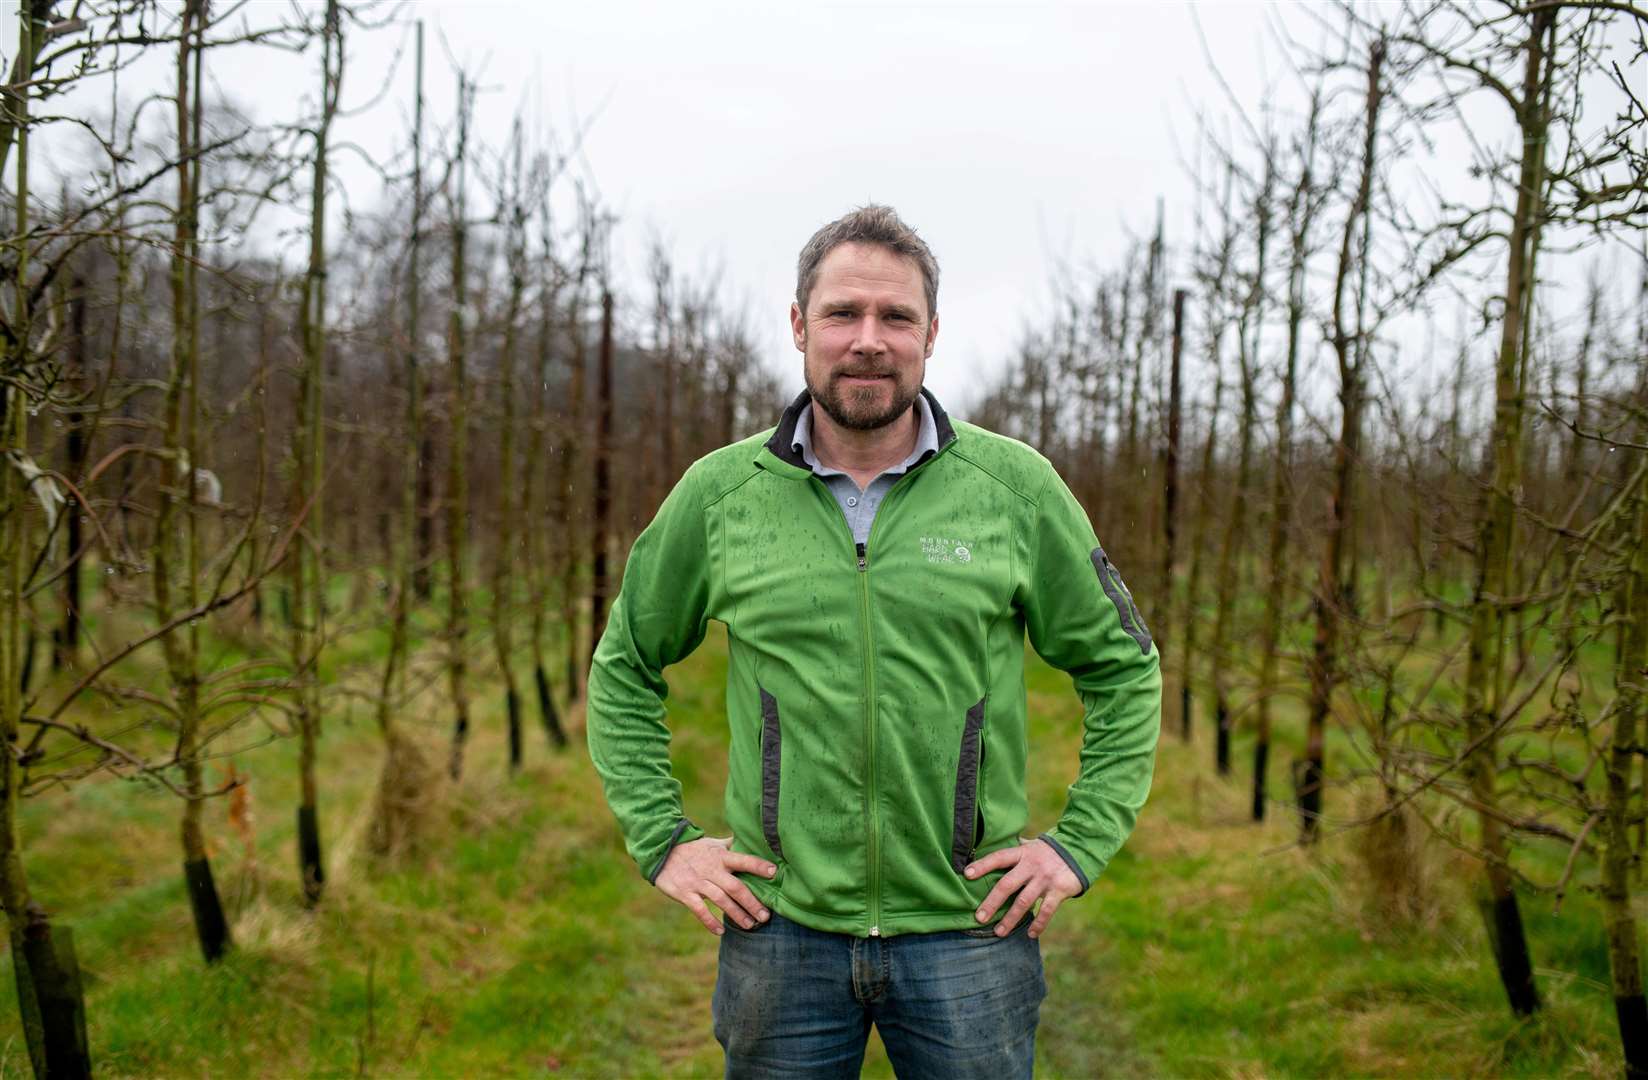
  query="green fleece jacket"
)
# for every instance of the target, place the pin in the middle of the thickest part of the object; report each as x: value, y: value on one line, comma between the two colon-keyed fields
x: 875, y: 695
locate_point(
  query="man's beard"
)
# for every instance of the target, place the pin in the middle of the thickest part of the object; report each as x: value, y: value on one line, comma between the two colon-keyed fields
x: 860, y: 409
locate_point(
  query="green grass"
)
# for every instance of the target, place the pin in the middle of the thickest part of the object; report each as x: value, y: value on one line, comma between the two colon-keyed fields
x: 521, y: 942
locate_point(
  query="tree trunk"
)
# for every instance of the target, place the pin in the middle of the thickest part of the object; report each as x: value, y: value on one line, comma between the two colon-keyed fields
x: 1301, y: 212
x: 255, y: 544
x: 598, y: 542
x: 457, y: 480
x: 1574, y: 451
x: 666, y: 385
x: 1236, y: 525
x: 310, y: 601
x: 14, y: 121
x: 423, y: 558
x: 1327, y: 602
x: 389, y: 830
x: 571, y: 458
x: 1205, y: 485
x: 1494, y: 541
x: 49, y: 997
x: 729, y: 401
x: 1640, y: 846
x: 181, y: 647
x: 423, y: 563
x: 1149, y: 328
x: 67, y: 642
x: 1170, y: 493
x: 539, y: 546
x: 503, y: 572
x: 1198, y: 539
x: 1630, y: 676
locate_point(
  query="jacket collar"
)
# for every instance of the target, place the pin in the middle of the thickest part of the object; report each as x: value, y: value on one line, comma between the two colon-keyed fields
x: 782, y: 444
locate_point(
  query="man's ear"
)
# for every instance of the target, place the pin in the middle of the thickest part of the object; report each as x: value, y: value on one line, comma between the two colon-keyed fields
x: 932, y: 336
x: 798, y: 326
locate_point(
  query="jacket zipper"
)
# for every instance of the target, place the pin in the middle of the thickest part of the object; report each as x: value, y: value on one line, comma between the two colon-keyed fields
x: 863, y: 555
x: 870, y: 703
x: 870, y: 738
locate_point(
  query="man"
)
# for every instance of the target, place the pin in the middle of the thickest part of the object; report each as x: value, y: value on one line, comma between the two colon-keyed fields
x: 877, y: 566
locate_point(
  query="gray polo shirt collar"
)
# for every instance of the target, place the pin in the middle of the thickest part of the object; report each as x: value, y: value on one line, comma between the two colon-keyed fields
x: 926, y: 440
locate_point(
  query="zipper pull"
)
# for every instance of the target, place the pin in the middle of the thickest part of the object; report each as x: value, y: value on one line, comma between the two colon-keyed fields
x: 861, y: 556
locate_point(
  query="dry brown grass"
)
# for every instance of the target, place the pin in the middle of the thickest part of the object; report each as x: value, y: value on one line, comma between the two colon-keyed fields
x: 409, y: 791
x: 1398, y: 867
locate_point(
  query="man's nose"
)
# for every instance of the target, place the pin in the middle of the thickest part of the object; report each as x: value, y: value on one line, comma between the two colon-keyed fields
x: 868, y: 337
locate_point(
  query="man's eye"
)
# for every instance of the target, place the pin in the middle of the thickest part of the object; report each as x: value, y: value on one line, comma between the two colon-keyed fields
x: 841, y: 314
x: 899, y: 316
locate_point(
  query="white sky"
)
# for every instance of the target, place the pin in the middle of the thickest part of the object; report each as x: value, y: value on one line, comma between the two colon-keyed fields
x: 1012, y: 135
x: 1008, y: 134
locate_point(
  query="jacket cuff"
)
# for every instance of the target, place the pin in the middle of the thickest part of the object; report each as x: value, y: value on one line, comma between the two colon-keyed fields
x: 685, y: 832
x: 1069, y: 860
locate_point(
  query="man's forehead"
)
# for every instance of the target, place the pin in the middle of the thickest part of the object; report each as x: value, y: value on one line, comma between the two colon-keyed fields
x: 870, y: 274
x: 869, y: 260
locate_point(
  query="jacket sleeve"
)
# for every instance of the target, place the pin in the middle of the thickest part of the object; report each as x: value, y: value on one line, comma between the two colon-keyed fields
x: 1081, y: 619
x: 658, y: 619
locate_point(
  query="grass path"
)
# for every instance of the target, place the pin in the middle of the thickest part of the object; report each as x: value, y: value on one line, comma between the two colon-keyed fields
x: 521, y: 942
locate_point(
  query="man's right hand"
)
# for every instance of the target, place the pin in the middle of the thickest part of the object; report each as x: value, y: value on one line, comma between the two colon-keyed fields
x: 702, y: 870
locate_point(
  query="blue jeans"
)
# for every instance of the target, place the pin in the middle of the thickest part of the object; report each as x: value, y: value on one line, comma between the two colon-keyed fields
x: 791, y: 1001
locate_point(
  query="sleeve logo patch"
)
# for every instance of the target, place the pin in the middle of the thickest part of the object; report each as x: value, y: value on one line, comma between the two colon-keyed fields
x: 1110, y: 579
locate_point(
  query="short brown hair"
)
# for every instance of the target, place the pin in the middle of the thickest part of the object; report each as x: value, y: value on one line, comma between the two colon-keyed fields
x: 871, y: 224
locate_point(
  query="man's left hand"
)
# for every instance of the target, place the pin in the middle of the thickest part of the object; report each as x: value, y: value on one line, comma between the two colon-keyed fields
x: 1038, y: 873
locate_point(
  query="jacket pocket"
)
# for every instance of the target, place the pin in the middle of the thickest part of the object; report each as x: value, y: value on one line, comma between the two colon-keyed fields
x: 969, y: 817
x: 771, y: 759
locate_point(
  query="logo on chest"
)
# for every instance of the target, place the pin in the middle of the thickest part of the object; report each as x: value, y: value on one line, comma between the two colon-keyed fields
x: 942, y: 549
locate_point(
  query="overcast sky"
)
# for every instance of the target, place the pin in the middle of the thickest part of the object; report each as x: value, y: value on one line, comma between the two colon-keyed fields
x: 1012, y: 135
x: 1008, y: 134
